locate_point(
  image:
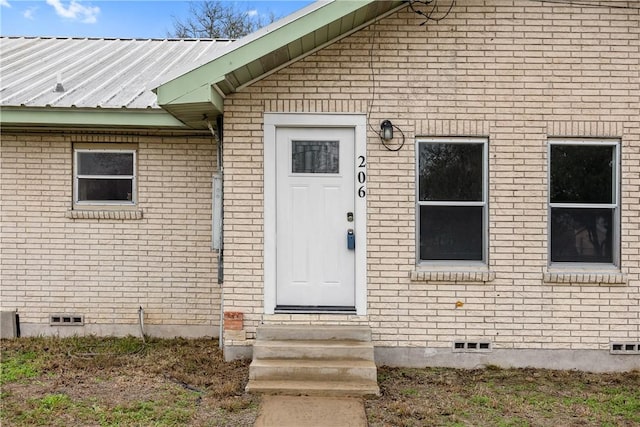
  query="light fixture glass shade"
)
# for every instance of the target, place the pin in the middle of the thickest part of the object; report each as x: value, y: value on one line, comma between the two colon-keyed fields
x: 386, y: 129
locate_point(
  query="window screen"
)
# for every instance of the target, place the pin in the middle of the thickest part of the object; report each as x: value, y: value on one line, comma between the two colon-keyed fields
x: 583, y: 202
x: 451, y: 200
x: 105, y: 176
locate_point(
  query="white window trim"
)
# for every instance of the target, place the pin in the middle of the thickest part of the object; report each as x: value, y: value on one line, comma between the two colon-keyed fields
x: 616, y: 248
x: 476, y: 264
x: 77, y: 177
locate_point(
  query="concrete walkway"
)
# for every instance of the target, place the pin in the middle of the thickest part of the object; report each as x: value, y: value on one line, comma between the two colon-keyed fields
x: 305, y: 411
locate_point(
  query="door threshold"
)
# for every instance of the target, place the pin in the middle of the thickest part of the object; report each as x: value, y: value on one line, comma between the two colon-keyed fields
x: 321, y: 309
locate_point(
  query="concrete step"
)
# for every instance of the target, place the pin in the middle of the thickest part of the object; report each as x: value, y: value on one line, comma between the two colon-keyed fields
x: 318, y: 349
x: 314, y: 388
x: 307, y: 332
x: 313, y: 360
x: 313, y: 370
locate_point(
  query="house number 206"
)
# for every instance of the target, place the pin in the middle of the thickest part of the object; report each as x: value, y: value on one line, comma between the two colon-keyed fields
x: 362, y: 177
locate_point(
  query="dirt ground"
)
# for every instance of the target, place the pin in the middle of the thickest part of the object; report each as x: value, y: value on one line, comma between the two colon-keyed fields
x: 125, y: 382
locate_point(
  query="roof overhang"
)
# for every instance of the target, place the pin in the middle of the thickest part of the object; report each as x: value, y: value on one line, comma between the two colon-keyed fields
x: 89, y: 118
x: 199, y: 93
x: 196, y: 107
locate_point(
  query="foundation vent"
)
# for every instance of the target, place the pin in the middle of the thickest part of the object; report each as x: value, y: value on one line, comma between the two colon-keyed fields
x: 66, y: 320
x: 625, y: 348
x: 471, y: 346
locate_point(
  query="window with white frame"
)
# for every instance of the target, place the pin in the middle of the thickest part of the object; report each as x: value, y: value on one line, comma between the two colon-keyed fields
x: 584, y: 201
x: 104, y: 177
x: 452, y: 199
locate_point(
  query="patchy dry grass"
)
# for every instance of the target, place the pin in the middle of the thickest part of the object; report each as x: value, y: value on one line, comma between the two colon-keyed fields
x: 504, y: 397
x: 121, y: 382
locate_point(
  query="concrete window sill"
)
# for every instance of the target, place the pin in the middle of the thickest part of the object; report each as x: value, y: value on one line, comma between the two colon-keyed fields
x: 586, y: 278
x: 453, y: 276
x: 105, y: 214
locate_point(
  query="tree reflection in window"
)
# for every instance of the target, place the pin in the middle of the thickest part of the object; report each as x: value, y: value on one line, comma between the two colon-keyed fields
x: 583, y: 202
x: 451, y: 199
x: 451, y: 172
x: 581, y: 235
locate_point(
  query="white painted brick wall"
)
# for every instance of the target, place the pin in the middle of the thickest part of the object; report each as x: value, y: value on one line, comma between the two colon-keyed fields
x: 514, y: 71
x: 106, y: 268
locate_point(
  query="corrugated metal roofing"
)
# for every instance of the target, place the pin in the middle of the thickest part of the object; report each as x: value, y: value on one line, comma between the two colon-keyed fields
x: 93, y: 73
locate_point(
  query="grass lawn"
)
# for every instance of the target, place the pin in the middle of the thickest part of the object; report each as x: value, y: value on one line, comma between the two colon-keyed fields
x: 504, y: 397
x: 123, y: 382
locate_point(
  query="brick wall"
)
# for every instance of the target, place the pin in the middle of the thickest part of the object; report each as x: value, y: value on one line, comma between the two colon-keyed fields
x: 105, y: 269
x: 516, y: 72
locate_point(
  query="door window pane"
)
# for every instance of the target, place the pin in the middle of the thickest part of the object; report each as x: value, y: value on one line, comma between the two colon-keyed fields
x: 581, y: 235
x: 451, y: 232
x: 315, y: 156
x: 450, y: 172
x: 582, y: 174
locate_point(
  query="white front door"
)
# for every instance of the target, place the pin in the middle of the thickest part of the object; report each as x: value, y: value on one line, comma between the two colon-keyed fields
x: 314, y: 213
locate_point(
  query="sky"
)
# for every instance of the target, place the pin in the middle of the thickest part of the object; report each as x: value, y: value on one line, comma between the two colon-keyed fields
x: 112, y: 18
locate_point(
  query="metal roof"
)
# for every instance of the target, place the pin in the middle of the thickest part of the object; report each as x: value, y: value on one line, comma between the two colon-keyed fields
x: 93, y: 73
x: 114, y: 82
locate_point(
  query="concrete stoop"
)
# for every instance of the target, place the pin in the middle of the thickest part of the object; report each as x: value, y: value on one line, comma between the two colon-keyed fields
x: 313, y: 361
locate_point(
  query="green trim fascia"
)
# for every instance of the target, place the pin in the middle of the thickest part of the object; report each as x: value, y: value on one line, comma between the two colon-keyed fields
x: 88, y: 117
x: 215, y: 71
x: 202, y: 95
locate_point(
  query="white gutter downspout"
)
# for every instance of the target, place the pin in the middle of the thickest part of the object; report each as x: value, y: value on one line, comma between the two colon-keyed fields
x: 216, y: 229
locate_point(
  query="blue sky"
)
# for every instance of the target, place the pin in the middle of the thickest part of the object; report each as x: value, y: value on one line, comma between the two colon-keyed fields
x: 111, y: 18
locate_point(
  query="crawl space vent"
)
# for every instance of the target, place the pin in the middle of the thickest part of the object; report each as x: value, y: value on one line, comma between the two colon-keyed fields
x: 625, y: 348
x: 66, y: 320
x: 471, y: 346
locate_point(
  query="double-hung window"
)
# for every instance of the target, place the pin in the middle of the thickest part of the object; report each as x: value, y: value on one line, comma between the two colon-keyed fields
x: 584, y: 201
x: 452, y: 199
x: 104, y: 177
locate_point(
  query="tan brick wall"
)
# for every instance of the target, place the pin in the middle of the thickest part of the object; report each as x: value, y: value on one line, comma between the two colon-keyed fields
x: 106, y: 268
x: 514, y: 71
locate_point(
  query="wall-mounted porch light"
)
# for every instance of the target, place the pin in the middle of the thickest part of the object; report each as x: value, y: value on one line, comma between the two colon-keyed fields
x: 386, y: 130
x: 386, y: 135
